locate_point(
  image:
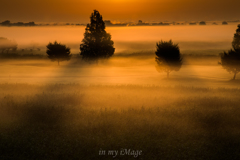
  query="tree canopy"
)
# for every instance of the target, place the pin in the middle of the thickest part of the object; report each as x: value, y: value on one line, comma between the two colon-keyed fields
x: 236, y: 40
x: 97, y: 43
x: 168, y: 57
x: 58, y: 52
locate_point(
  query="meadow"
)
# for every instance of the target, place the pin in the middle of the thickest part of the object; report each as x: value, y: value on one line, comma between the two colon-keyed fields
x: 78, y: 110
x: 73, y: 121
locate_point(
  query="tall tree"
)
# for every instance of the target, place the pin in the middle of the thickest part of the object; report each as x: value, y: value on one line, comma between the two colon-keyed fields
x: 58, y: 52
x: 168, y: 57
x: 97, y: 43
x: 236, y: 40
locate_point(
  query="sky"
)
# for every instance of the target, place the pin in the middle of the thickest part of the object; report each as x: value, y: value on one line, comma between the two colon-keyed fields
x: 79, y: 11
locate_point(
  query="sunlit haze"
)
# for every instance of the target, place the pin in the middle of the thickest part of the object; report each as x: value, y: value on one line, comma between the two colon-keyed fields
x: 119, y: 79
x: 78, y: 11
x: 127, y: 38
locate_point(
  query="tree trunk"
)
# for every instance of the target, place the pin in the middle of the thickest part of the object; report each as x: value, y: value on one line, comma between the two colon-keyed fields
x: 234, y: 77
x: 58, y: 62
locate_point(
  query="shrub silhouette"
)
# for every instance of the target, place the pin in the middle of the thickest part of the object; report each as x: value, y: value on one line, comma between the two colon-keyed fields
x: 202, y: 23
x: 58, y: 52
x: 168, y: 57
x: 230, y: 60
x: 97, y: 43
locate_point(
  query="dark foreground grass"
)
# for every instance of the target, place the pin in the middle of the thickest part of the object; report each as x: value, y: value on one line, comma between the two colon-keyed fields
x: 81, y: 122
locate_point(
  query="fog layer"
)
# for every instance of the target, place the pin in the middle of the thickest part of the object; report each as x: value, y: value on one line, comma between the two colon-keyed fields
x: 127, y: 38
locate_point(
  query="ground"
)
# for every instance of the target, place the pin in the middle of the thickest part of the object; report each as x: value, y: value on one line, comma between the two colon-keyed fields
x: 78, y: 110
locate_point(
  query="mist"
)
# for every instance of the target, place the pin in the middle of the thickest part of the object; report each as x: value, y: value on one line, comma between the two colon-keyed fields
x: 79, y: 110
x: 127, y: 38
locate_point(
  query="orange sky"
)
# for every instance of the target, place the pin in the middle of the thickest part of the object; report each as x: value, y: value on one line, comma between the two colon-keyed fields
x: 78, y: 11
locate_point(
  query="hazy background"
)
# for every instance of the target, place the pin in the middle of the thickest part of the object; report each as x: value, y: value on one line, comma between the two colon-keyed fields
x: 127, y: 38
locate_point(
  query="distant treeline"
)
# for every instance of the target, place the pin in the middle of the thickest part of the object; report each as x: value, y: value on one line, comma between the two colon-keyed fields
x: 111, y: 24
x: 8, y: 23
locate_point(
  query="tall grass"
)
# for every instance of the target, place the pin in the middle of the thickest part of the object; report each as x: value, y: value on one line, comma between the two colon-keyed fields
x: 72, y: 121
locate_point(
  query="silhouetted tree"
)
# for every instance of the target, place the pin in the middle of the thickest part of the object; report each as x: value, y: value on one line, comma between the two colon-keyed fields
x: 236, y: 40
x: 168, y: 57
x: 230, y: 60
x: 58, y: 52
x: 97, y: 43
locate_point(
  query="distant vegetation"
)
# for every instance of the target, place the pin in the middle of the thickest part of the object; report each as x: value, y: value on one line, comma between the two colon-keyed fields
x: 6, y: 45
x: 224, y: 23
x: 168, y: 57
x: 97, y: 43
x: 192, y: 23
x: 9, y: 50
x: 58, y: 52
x: 8, y: 23
x: 202, y: 23
x: 109, y: 23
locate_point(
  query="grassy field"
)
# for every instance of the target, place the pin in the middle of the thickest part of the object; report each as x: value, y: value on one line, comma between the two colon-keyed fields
x: 121, y: 108
x: 118, y: 109
x: 73, y: 121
